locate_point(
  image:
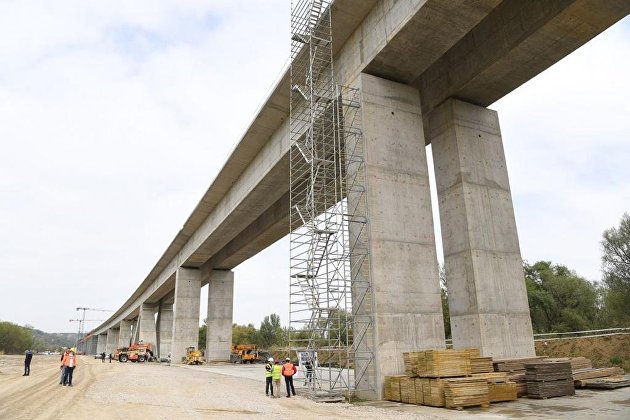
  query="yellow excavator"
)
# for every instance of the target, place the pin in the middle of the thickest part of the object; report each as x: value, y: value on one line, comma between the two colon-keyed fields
x: 194, y: 357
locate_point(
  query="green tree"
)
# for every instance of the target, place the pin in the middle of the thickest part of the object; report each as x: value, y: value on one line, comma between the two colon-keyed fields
x: 244, y: 334
x: 201, y: 340
x: 616, y: 272
x: 271, y: 332
x: 14, y: 339
x: 559, y: 299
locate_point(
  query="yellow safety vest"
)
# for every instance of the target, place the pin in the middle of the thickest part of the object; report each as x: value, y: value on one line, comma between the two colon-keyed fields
x: 268, y: 370
x: 277, y: 372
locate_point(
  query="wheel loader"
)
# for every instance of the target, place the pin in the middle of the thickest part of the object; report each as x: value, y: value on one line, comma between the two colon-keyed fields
x: 194, y: 357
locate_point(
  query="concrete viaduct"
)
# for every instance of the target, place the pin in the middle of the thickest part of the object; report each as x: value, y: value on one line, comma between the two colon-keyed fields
x: 427, y: 70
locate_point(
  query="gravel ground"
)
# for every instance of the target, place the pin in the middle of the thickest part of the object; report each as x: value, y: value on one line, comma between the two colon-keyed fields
x: 129, y: 390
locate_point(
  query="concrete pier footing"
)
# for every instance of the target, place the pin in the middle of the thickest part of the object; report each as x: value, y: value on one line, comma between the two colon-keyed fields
x: 219, y: 321
x: 484, y: 271
x: 185, y: 312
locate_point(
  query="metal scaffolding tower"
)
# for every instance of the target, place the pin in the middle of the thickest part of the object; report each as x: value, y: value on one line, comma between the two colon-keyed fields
x: 330, y: 292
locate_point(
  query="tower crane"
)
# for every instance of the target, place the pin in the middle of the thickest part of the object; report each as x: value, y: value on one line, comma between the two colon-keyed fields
x: 83, y: 320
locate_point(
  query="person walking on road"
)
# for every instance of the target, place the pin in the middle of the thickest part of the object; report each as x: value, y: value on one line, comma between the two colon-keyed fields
x: 276, y: 374
x: 110, y: 357
x: 103, y: 357
x: 288, y: 370
x: 69, y: 363
x: 27, y: 362
x: 268, y: 374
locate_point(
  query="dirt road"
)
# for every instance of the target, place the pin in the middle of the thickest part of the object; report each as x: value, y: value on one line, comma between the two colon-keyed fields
x: 150, y: 391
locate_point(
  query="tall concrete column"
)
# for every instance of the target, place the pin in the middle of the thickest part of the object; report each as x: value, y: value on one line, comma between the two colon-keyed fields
x: 405, y: 302
x: 124, y: 336
x: 147, y: 332
x: 484, y: 271
x: 92, y: 346
x: 101, y: 343
x: 165, y: 328
x: 185, y: 312
x: 219, y: 321
x: 112, y: 340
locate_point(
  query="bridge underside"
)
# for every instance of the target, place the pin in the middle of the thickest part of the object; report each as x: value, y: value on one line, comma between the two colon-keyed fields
x: 428, y: 70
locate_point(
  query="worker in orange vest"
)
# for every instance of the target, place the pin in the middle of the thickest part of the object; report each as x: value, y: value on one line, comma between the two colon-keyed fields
x: 69, y: 362
x: 288, y: 370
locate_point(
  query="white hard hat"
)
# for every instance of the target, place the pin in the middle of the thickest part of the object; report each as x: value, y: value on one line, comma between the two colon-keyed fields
x: 270, y: 359
x: 288, y: 359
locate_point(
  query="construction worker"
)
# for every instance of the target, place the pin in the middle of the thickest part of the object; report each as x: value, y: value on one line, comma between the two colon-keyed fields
x: 309, y: 372
x: 69, y: 363
x: 28, y: 356
x: 276, y: 374
x: 288, y: 370
x: 268, y: 373
x: 63, y: 371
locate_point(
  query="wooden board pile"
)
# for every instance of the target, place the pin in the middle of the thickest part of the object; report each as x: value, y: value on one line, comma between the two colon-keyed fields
x: 500, y: 388
x: 481, y: 365
x: 577, y: 363
x: 408, y: 390
x: 515, y: 369
x: 433, y: 392
x: 466, y: 392
x: 607, y: 383
x: 443, y: 363
x: 391, y: 387
x: 545, y: 380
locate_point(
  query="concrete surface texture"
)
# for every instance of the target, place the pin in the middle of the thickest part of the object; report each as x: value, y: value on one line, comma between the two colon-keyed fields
x: 164, y: 329
x: 185, y: 312
x: 112, y: 340
x: 146, y: 332
x: 219, y: 321
x: 406, y: 303
x: 124, y: 334
x: 484, y: 271
x: 101, y: 344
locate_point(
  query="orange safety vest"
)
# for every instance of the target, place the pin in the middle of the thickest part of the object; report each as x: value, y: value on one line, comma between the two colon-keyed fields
x: 69, y: 360
x: 288, y: 369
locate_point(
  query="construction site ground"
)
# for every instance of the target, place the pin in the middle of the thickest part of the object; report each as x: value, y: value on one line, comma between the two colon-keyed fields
x: 159, y: 391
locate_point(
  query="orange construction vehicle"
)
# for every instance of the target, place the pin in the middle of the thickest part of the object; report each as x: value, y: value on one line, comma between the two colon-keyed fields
x: 137, y: 352
x: 244, y: 353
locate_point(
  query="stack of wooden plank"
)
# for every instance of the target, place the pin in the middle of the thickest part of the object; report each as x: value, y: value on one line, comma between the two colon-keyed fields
x: 576, y: 362
x: 608, y: 383
x: 391, y: 387
x: 466, y: 392
x: 411, y: 361
x: 500, y: 388
x: 407, y: 390
x: 443, y: 363
x: 515, y: 369
x: 514, y: 364
x: 433, y: 392
x: 419, y: 393
x: 481, y: 365
x: 545, y: 380
x: 582, y: 375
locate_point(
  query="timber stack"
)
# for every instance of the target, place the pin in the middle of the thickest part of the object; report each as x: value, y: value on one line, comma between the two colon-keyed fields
x: 549, y: 379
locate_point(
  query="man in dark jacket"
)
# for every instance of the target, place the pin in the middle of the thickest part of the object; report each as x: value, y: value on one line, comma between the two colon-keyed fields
x: 27, y: 362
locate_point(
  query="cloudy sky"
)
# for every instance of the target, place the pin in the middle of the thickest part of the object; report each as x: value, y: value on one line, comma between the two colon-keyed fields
x: 115, y: 117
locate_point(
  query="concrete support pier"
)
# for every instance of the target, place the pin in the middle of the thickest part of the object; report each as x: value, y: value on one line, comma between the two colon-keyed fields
x: 219, y: 322
x: 165, y: 328
x: 124, y: 335
x: 112, y: 340
x: 147, y: 332
x: 406, y: 302
x: 185, y: 312
x: 101, y: 344
x: 484, y: 271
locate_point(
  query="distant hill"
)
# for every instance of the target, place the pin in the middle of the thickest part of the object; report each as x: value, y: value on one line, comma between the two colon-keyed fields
x: 52, y: 341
